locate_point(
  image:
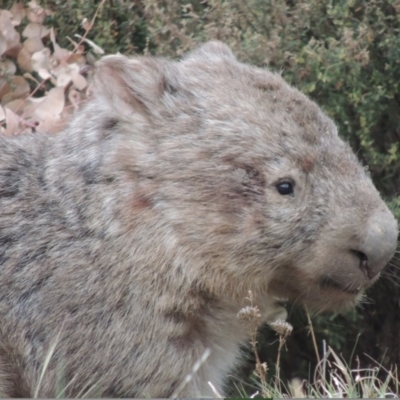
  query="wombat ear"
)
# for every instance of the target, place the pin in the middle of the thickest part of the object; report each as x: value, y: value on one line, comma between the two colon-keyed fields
x: 212, y: 49
x: 130, y: 84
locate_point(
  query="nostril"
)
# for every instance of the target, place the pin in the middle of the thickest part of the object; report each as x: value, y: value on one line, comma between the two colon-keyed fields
x: 364, y: 264
x: 378, y: 243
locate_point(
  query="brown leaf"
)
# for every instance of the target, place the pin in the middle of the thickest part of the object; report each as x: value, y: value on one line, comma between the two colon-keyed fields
x: 79, y: 81
x: 21, y: 86
x: 13, y: 50
x: 66, y: 73
x: 16, y: 106
x: 41, y: 59
x: 19, y: 89
x: 24, y: 60
x: 75, y: 98
x: 7, y: 67
x: 52, y: 105
x: 60, y: 53
x: 30, y: 106
x: 3, y: 44
x: 10, y: 38
x: 86, y: 25
x: 52, y: 125
x: 2, y: 114
x: 18, y: 13
x: 77, y: 58
x: 64, y: 79
x: 44, y: 74
x: 4, y: 87
x: 33, y: 29
x: 7, y: 28
x: 35, y: 13
x: 33, y: 44
x: 12, y: 122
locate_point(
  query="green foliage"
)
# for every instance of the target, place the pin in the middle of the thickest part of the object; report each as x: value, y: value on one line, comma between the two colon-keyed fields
x: 119, y: 26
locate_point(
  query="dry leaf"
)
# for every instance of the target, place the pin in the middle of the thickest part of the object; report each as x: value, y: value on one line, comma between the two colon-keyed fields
x: 13, y: 51
x: 4, y: 87
x: 52, y: 104
x: 64, y: 79
x: 10, y: 37
x: 7, y: 28
x: 32, y: 30
x: 24, y: 60
x: 41, y: 59
x: 33, y: 44
x: 2, y: 114
x: 15, y: 106
x: 75, y: 98
x: 86, y: 25
x: 57, y: 66
x: 77, y: 59
x: 19, y: 88
x: 3, y: 44
x: 53, y: 125
x: 12, y: 122
x: 79, y: 81
x: 35, y: 30
x: 60, y: 53
x: 44, y: 74
x: 18, y: 13
x: 36, y: 13
x: 7, y: 67
x: 30, y: 106
x: 66, y: 73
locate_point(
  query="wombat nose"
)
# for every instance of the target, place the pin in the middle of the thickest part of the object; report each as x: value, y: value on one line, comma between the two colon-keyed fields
x: 379, y: 244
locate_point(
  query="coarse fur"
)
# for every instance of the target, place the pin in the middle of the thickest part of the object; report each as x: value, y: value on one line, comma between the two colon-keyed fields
x: 133, y: 237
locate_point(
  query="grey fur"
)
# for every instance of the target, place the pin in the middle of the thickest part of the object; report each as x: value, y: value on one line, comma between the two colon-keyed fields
x: 133, y: 237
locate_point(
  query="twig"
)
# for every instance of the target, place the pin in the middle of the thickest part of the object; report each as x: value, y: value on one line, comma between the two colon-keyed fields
x: 310, y: 327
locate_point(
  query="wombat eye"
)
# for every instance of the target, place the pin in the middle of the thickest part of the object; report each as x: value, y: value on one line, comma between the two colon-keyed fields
x: 285, y: 188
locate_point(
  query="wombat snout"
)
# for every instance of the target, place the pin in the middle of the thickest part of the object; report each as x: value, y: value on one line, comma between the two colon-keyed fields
x: 379, y: 243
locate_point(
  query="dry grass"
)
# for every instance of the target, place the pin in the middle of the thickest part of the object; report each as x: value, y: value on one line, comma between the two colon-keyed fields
x: 332, y: 378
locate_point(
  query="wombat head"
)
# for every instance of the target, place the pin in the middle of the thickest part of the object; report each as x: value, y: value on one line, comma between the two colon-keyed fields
x: 246, y: 177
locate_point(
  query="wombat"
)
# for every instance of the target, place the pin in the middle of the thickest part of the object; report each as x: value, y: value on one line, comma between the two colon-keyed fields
x: 130, y: 241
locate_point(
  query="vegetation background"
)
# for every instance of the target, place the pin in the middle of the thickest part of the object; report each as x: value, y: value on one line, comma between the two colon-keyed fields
x: 345, y: 54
